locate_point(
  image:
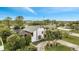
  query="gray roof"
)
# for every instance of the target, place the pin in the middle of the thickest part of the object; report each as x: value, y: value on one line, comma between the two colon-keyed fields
x: 31, y: 28
x: 22, y: 32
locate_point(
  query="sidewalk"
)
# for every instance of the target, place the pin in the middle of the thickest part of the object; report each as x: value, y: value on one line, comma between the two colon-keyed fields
x: 41, y: 46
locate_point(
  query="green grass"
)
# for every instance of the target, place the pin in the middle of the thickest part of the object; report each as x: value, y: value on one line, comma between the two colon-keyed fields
x: 72, y: 39
x: 58, y: 48
x: 75, y: 31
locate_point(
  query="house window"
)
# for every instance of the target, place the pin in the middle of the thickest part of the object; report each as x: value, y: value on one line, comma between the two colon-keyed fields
x: 25, y: 35
x: 39, y: 37
x: 32, y: 34
x: 42, y: 32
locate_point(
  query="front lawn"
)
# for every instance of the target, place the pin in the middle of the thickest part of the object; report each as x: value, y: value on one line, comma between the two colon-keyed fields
x: 75, y: 31
x: 72, y: 39
x: 58, y: 48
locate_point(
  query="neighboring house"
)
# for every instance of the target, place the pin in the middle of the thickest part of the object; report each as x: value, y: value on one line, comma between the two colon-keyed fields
x: 37, y: 32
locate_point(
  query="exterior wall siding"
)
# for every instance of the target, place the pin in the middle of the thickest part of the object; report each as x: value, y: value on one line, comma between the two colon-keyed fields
x: 36, y: 33
x: 34, y: 37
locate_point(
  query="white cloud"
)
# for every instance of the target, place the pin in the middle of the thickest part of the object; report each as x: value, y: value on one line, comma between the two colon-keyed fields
x: 30, y: 10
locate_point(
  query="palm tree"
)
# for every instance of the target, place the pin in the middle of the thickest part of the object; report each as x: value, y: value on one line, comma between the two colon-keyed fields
x: 19, y: 21
x: 7, y: 21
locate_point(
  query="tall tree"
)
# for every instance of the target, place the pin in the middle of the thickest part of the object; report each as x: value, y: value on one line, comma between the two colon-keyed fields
x: 19, y: 21
x: 47, y: 21
x: 53, y: 36
x: 57, y: 35
x: 7, y: 21
x: 49, y: 36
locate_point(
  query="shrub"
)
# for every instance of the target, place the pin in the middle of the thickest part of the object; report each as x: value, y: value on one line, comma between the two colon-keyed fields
x: 30, y: 48
x: 12, y: 42
x: 4, y: 34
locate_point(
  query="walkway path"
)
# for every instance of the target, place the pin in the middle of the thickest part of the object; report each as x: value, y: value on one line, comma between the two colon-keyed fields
x: 41, y: 46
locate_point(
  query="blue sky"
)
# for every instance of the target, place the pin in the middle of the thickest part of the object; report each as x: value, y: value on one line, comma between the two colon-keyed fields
x: 38, y: 13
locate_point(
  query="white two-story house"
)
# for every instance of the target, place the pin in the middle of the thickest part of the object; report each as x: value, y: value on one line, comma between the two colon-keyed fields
x: 37, y: 32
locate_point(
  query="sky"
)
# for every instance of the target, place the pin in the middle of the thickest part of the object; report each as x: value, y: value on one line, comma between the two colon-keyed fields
x: 41, y: 13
